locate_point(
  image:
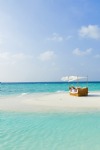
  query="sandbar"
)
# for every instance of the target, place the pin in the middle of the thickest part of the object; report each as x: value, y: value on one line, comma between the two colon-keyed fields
x: 50, y: 102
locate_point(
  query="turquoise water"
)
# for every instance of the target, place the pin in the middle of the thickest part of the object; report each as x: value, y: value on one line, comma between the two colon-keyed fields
x: 47, y: 131
x: 19, y: 88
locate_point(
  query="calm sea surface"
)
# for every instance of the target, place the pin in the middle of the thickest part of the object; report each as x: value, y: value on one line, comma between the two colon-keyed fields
x: 48, y: 131
x: 38, y: 87
x: 69, y: 131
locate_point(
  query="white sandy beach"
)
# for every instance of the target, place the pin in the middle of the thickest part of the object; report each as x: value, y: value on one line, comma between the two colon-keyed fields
x: 54, y: 102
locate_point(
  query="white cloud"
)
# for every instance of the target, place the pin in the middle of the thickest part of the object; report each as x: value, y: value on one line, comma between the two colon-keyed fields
x: 6, y: 57
x: 46, y: 56
x: 90, y: 31
x: 79, y: 52
x: 97, y: 56
x: 56, y: 37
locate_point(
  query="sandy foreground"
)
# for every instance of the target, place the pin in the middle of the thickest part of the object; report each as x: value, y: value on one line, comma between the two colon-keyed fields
x: 54, y: 102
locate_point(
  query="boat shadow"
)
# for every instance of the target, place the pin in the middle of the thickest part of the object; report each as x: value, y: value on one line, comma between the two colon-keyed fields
x: 93, y: 95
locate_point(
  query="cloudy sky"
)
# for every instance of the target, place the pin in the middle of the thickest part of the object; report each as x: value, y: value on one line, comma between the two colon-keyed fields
x: 43, y: 40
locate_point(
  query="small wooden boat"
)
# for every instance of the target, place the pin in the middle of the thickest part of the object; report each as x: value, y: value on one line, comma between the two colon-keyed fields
x: 79, y: 91
x: 76, y: 91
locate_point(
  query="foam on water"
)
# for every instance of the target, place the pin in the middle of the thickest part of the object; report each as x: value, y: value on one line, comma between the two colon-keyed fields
x: 24, y: 94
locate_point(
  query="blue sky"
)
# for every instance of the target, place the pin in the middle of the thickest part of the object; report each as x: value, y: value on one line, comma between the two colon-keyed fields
x: 44, y: 40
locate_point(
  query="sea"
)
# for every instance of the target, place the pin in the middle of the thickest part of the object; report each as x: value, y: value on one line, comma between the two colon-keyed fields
x: 48, y: 130
x: 18, y: 88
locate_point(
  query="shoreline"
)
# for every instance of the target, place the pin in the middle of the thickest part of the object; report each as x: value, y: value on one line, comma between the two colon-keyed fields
x: 50, y: 102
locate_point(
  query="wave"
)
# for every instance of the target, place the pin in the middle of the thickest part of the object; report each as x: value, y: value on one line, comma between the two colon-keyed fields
x: 61, y: 91
x: 22, y: 94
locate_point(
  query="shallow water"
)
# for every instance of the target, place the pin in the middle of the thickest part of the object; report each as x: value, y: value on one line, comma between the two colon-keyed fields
x: 49, y: 131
